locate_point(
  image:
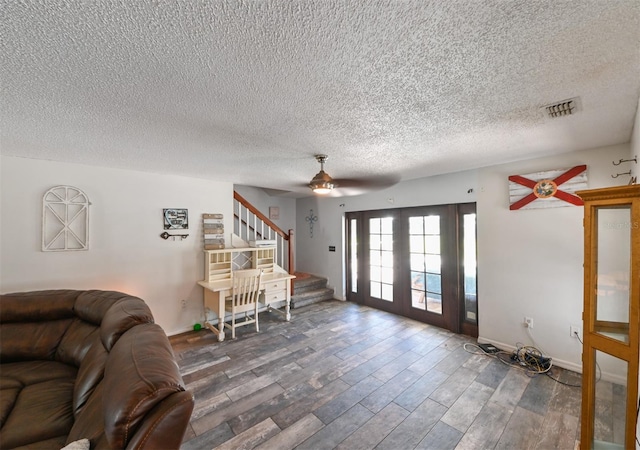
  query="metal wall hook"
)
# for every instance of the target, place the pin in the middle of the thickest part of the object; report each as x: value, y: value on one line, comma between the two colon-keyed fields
x: 166, y: 236
x: 635, y: 160
x: 620, y: 174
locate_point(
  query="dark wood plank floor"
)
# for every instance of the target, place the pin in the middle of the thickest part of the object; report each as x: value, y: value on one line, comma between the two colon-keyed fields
x: 344, y: 376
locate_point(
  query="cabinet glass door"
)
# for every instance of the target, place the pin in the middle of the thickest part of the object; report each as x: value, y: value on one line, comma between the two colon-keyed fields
x: 610, y: 418
x: 613, y: 265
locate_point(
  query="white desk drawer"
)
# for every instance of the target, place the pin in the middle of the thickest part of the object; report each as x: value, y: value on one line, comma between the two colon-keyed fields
x: 270, y: 297
x: 272, y: 286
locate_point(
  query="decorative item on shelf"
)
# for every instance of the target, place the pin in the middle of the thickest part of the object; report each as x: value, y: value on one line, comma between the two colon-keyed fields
x: 263, y: 243
x: 213, y: 230
x: 175, y: 218
x: 542, y: 189
x: 311, y: 219
x: 65, y: 220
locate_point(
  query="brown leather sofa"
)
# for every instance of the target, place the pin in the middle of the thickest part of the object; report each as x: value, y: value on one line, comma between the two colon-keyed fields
x: 87, y: 365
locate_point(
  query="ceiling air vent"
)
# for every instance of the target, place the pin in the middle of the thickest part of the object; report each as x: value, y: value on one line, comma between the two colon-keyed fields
x: 564, y: 108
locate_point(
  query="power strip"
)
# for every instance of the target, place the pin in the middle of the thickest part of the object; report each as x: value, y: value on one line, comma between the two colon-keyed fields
x: 489, y: 348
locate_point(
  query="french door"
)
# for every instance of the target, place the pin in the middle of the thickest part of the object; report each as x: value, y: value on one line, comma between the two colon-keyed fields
x: 416, y: 262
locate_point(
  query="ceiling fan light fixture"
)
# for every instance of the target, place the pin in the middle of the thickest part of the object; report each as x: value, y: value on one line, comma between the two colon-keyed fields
x: 322, y: 183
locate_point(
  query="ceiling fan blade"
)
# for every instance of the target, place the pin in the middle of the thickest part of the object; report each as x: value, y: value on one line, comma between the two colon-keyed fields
x: 358, y: 186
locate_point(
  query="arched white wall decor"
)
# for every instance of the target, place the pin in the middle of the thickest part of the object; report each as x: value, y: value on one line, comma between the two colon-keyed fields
x: 65, y: 220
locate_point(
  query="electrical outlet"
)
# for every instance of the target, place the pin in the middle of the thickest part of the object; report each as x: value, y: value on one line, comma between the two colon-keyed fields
x: 184, y: 303
x: 574, y: 331
x: 528, y: 322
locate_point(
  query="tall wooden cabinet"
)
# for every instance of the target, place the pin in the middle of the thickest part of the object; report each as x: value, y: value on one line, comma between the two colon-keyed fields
x: 611, y: 317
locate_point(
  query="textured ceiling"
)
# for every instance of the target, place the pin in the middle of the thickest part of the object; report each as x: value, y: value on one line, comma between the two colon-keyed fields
x: 249, y: 91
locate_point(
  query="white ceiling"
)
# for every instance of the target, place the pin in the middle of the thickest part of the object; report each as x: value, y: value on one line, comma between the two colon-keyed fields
x: 248, y: 91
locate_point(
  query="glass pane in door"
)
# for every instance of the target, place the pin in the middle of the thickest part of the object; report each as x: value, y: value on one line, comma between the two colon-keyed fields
x: 469, y: 268
x: 610, y: 403
x: 612, y: 294
x: 425, y: 263
x: 381, y: 258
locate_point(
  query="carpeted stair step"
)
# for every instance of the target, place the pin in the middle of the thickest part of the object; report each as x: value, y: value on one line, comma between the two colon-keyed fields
x: 310, y: 283
x: 307, y: 298
x: 308, y: 289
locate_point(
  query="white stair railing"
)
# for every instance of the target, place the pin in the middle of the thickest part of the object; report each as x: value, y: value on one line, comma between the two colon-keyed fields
x: 251, y: 225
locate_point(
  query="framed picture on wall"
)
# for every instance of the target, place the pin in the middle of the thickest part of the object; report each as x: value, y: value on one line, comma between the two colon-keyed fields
x: 274, y: 212
x: 175, y: 219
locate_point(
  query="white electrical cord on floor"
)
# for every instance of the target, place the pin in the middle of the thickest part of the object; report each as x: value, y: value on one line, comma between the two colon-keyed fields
x: 534, y: 341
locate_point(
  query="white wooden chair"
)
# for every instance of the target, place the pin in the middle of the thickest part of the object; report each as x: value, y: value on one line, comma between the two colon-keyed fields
x: 245, y: 291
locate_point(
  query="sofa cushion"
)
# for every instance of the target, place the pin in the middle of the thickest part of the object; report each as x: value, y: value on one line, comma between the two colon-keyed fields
x: 36, y: 392
x: 122, y: 316
x: 80, y: 444
x: 9, y: 390
x: 33, y: 323
x: 38, y: 306
x: 91, y: 306
x: 29, y: 341
x: 76, y: 342
x: 89, y: 375
x: 90, y: 421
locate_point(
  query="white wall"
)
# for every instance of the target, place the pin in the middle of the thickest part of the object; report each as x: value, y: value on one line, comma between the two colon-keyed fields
x: 125, y: 252
x: 530, y: 261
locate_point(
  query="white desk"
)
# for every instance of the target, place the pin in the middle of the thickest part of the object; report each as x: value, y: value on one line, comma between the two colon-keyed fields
x: 276, y: 287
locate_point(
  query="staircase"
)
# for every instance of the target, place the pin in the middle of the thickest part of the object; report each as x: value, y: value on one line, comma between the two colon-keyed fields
x: 249, y: 224
x: 308, y: 289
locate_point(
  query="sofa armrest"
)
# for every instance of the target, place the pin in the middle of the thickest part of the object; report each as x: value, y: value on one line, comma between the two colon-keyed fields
x: 140, y: 373
x: 165, y: 425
